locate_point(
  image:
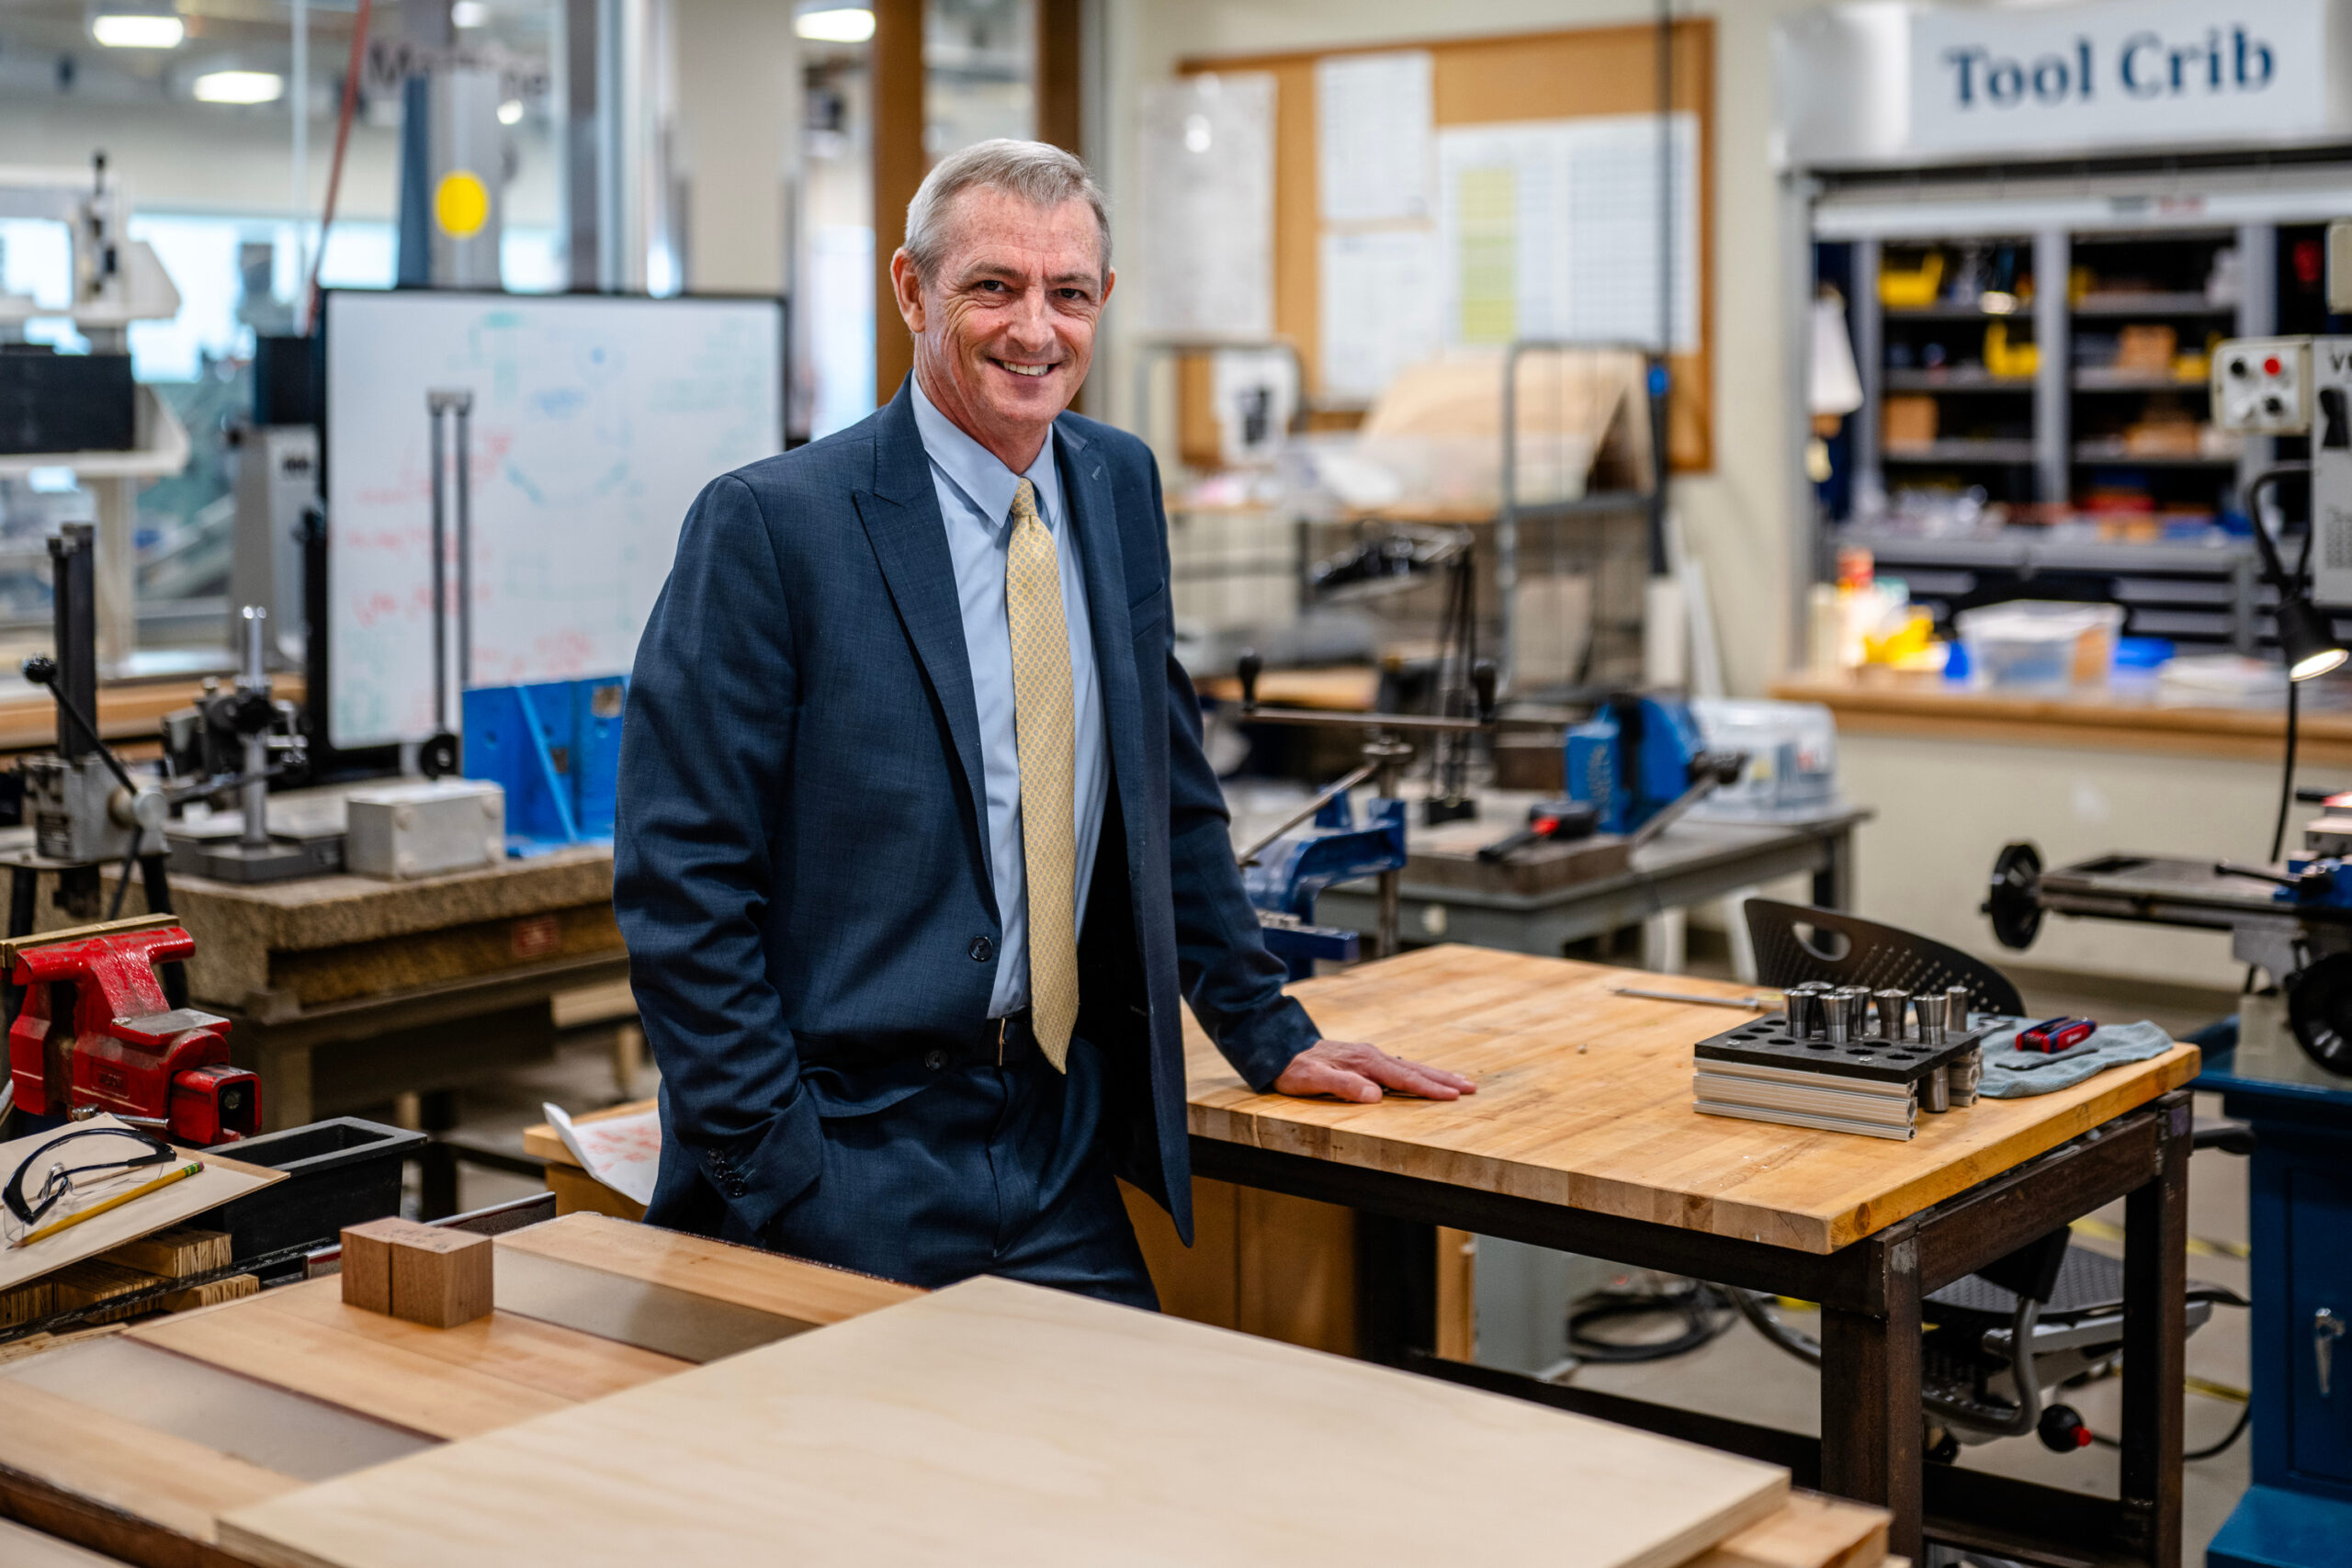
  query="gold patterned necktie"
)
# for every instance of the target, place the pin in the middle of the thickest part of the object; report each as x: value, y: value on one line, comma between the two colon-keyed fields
x: 1045, y: 729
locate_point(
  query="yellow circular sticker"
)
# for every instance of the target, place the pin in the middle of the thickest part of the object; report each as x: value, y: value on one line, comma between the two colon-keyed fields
x: 461, y: 205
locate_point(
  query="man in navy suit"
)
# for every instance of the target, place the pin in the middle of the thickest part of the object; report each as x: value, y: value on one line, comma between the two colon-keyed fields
x: 917, y: 849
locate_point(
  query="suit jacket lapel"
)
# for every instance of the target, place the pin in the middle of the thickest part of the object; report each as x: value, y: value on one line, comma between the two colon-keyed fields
x: 1085, y: 480
x: 910, y: 540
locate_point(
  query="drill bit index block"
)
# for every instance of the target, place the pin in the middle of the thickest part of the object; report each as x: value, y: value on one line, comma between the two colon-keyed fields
x: 425, y: 1274
x: 1770, y: 1042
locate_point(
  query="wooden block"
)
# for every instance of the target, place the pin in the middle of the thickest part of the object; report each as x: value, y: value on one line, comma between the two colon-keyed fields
x: 173, y: 1254
x: 367, y: 1264
x: 26, y: 1302
x: 423, y: 1274
x: 443, y: 1279
x: 236, y: 1288
x: 95, y: 1280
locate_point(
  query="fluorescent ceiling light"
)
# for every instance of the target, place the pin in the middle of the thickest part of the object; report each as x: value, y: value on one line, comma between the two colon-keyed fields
x: 137, y: 29
x: 843, y: 25
x: 469, y: 14
x: 240, y: 87
x: 511, y: 112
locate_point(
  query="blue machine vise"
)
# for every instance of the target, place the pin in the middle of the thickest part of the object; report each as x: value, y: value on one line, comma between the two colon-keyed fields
x: 1633, y: 759
x: 1284, y: 880
x: 2323, y: 883
x: 556, y: 749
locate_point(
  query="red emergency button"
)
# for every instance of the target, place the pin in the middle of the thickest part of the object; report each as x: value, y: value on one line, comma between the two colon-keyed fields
x: 2271, y: 366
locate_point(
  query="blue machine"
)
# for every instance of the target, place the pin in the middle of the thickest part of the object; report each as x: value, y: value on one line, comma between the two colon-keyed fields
x: 2316, y: 881
x: 2297, y: 1512
x: 1634, y: 758
x: 1284, y: 880
x: 555, y: 747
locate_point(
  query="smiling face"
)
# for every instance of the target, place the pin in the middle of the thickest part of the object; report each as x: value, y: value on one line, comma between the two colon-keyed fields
x: 1004, y: 329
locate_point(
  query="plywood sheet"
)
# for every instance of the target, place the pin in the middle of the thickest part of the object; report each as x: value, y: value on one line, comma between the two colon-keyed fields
x: 765, y: 1281
x: 444, y: 1383
x: 221, y: 1180
x: 1810, y: 1531
x: 1000, y: 1423
x: 1584, y: 1100
x: 122, y: 1464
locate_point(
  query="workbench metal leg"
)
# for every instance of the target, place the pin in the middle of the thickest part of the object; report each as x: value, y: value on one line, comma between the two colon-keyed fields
x: 1833, y: 885
x: 1870, y: 1401
x: 438, y: 1165
x: 1395, y: 1288
x: 2155, y: 1334
x: 24, y: 890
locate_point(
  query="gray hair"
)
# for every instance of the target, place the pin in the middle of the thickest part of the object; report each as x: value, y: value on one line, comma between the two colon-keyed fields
x: 1037, y: 171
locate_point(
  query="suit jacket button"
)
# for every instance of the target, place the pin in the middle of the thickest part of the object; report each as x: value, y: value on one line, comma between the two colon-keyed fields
x: 982, y: 950
x: 934, y: 1059
x: 737, y: 1186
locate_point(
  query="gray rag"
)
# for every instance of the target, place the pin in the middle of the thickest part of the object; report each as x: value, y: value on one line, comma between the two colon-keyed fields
x: 2012, y: 1074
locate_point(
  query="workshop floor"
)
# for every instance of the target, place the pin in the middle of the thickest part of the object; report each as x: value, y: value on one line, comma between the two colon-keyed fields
x: 1739, y: 1375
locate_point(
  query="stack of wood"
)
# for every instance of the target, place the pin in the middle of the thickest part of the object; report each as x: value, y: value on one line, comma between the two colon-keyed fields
x: 181, y: 1252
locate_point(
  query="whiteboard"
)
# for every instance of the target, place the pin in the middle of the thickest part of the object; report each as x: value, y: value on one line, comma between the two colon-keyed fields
x: 596, y: 421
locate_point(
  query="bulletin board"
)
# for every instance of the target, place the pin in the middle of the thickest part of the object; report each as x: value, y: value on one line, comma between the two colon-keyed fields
x: 1580, y: 75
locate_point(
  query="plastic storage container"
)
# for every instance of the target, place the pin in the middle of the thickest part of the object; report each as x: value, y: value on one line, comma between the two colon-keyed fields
x: 1791, y: 772
x: 2042, y: 645
x: 343, y: 1171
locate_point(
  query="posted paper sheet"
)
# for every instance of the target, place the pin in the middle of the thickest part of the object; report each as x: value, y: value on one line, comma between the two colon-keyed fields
x: 1371, y: 134
x: 1208, y: 207
x: 1550, y: 229
x: 1383, y: 307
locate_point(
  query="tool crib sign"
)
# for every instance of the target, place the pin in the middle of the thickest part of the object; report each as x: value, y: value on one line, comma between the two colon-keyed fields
x: 1994, y: 77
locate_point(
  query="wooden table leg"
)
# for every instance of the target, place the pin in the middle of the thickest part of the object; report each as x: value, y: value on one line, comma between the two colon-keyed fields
x: 1870, y: 1401
x: 2155, y: 1335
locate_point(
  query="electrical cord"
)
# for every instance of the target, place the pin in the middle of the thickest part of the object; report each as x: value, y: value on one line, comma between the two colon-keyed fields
x: 1706, y: 1312
x: 2246, y: 1418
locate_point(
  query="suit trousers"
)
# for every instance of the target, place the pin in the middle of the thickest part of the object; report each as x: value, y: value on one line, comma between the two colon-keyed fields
x: 984, y: 1169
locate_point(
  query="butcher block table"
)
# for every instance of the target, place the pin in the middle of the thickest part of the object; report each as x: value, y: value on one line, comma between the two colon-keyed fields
x: 1581, y: 1137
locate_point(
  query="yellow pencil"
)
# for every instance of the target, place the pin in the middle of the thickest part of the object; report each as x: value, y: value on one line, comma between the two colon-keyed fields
x: 117, y: 1200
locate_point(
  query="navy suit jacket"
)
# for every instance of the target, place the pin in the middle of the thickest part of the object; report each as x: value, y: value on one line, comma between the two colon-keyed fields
x: 800, y: 862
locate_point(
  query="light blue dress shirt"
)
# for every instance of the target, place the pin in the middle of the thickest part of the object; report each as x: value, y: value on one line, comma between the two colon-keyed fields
x: 975, y: 492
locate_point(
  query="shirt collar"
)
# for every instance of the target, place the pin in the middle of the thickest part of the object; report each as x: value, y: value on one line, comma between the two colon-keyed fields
x: 979, y: 474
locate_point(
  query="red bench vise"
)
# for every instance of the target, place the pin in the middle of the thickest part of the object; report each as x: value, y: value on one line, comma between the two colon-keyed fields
x: 96, y: 1034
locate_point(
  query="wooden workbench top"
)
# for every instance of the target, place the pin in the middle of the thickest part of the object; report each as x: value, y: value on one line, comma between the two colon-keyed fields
x: 1584, y: 1100
x: 2125, y: 720
x: 129, y: 711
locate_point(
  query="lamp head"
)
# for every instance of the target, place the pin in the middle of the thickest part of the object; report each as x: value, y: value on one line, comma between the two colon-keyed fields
x: 2307, y: 640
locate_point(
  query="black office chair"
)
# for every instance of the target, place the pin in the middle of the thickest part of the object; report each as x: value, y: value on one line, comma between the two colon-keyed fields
x: 2063, y: 1304
x: 1796, y: 942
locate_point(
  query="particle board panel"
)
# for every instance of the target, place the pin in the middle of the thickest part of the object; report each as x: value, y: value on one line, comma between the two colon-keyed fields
x: 243, y: 932
x: 1584, y: 1100
x: 766, y: 1281
x: 1000, y: 1423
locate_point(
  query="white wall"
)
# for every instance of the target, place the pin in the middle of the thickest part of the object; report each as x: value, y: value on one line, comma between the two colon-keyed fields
x: 1737, y: 516
x: 739, y: 113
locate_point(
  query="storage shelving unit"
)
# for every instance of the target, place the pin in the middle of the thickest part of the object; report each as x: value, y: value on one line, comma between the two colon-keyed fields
x: 2091, y: 429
